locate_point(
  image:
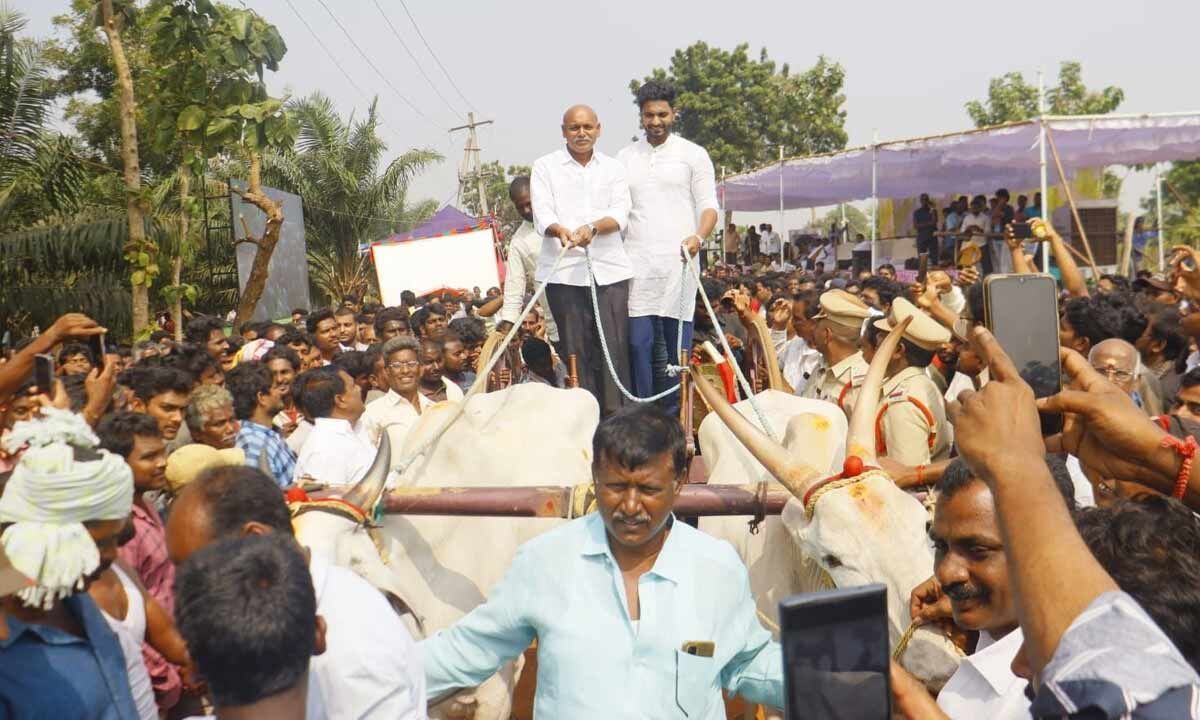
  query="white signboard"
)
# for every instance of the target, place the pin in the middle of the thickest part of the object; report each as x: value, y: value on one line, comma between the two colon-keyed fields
x: 464, y: 260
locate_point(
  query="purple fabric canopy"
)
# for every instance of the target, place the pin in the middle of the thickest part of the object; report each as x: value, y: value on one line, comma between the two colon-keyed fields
x: 444, y: 222
x: 975, y: 161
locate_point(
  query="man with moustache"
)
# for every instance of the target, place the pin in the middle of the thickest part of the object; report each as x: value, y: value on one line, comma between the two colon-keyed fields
x: 523, y: 252
x: 581, y: 201
x: 672, y: 187
x: 971, y: 587
x: 636, y: 614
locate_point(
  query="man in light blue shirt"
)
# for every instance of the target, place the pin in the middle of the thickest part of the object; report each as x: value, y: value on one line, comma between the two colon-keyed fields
x: 636, y: 615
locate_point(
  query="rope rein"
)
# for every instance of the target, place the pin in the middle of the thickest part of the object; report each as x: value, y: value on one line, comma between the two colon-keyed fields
x: 672, y: 369
x: 402, y: 466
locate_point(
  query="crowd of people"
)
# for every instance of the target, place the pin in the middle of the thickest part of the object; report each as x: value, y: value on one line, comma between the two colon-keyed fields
x: 149, y: 567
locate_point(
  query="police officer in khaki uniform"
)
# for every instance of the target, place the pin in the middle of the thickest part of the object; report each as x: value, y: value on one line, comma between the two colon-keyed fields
x: 911, y: 427
x: 837, y: 335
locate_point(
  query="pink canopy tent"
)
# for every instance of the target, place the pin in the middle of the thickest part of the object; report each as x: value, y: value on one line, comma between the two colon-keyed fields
x: 973, y: 161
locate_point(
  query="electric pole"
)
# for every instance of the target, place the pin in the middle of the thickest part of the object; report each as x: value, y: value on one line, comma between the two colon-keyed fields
x: 471, y: 158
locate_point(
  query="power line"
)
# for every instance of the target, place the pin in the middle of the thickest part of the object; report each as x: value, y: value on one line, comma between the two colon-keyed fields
x: 372, y: 65
x: 414, y: 58
x: 328, y: 52
x: 445, y: 72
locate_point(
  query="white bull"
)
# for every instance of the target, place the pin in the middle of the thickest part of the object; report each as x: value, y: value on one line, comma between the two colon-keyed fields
x: 443, y: 567
x: 854, y: 531
x: 772, y: 557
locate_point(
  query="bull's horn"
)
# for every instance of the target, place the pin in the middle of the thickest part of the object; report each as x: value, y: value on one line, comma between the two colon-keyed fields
x: 793, y: 474
x: 366, y: 492
x: 861, y: 441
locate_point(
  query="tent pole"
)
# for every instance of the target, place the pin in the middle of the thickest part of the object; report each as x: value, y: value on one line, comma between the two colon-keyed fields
x: 1162, y: 238
x: 782, y: 231
x: 874, y: 198
x: 1062, y: 176
x: 1042, y: 152
x: 724, y: 222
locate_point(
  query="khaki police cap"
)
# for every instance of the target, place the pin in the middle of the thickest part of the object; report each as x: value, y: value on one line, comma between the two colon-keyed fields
x: 923, y: 331
x: 843, y: 308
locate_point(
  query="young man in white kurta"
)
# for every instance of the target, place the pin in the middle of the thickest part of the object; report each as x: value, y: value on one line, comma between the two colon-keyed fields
x: 674, y: 207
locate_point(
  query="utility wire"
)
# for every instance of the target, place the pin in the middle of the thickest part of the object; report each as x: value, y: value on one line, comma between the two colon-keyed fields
x: 435, y: 57
x: 414, y: 58
x: 328, y: 52
x: 373, y: 67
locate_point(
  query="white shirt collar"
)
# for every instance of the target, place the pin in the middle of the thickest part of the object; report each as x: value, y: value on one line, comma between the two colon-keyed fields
x: 566, y: 158
x: 993, y: 658
x: 338, y: 425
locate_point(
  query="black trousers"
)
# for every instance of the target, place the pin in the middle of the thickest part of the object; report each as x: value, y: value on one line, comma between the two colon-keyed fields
x: 571, y: 306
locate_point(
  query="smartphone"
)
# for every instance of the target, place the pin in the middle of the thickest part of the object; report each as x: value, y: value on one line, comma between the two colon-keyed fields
x: 1022, y: 231
x: 836, y: 654
x: 923, y: 269
x: 98, y: 348
x: 43, y: 373
x: 1022, y: 312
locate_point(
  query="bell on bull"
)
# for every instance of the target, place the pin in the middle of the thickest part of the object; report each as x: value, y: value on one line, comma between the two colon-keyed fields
x: 857, y: 527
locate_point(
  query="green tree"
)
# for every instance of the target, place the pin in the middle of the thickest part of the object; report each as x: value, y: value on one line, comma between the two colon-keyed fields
x: 743, y: 110
x: 858, y: 220
x: 351, y: 196
x: 1010, y: 98
x: 39, y: 171
x: 209, y: 97
x: 495, y: 185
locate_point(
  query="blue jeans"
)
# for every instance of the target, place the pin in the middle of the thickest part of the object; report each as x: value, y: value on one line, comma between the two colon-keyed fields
x: 652, y: 340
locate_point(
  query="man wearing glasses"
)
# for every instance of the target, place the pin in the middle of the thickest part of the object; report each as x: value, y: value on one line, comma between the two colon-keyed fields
x: 403, y: 404
x: 1118, y: 361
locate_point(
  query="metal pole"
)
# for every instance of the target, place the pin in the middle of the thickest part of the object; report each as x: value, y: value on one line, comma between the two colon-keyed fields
x: 1162, y: 238
x: 563, y: 502
x: 724, y: 222
x: 874, y: 198
x: 782, y: 231
x: 1044, y: 209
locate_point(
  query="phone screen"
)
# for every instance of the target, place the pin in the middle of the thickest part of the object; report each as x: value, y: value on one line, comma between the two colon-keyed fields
x: 43, y: 373
x: 96, y: 343
x: 1022, y: 231
x: 1022, y: 312
x: 835, y: 654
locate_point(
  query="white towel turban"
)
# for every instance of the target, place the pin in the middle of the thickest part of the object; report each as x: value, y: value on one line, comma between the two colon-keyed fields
x: 53, y: 490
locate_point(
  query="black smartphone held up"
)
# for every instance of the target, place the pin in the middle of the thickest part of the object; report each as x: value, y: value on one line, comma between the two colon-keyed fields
x: 923, y: 268
x: 97, y: 345
x: 43, y: 373
x: 1022, y: 231
x: 835, y: 654
x: 1022, y: 312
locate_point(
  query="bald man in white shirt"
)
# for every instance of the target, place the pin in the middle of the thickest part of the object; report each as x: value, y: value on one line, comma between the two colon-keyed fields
x: 581, y: 200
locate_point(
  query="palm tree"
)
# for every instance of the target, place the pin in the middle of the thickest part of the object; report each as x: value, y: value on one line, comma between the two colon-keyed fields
x: 58, y: 253
x: 39, y: 170
x: 350, y: 196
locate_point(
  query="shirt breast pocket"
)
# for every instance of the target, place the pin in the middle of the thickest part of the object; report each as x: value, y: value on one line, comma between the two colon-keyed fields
x: 694, y: 677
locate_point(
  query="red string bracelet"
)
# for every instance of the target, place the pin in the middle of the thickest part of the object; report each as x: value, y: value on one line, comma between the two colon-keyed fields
x: 1186, y: 449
